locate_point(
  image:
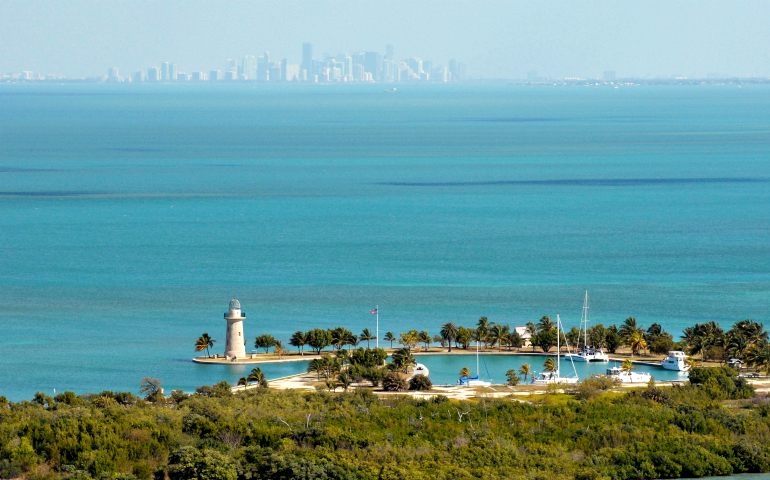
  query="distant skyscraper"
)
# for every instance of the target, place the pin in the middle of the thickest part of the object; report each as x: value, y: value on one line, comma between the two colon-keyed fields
x: 215, y: 75
x: 173, y: 72
x: 165, y: 72
x: 453, y: 69
x: 249, y: 65
x: 415, y: 64
x: 372, y: 64
x: 307, y: 58
x: 153, y: 74
x: 389, y: 52
x: 231, y: 66
x: 138, y: 77
x: 263, y: 67
x: 274, y: 72
x: 609, y: 75
x: 112, y: 72
x: 292, y: 72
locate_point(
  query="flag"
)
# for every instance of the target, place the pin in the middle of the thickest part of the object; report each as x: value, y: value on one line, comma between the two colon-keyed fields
x: 374, y: 310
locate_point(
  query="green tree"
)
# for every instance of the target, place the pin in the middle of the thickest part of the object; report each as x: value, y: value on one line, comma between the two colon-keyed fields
x: 497, y: 335
x: 463, y: 337
x: 449, y: 332
x: 367, y: 335
x: 318, y: 339
x: 151, y: 389
x: 526, y: 371
x: 256, y: 375
x: 204, y: 343
x: 265, y: 341
x: 545, y: 339
x: 424, y: 338
x: 512, y: 378
x: 545, y: 324
x: 613, y: 341
x: 394, y: 382
x: 299, y: 339
x: 420, y: 382
x: 390, y: 337
x: 465, y: 372
x: 344, y: 379
x: 189, y: 463
x: 482, y: 330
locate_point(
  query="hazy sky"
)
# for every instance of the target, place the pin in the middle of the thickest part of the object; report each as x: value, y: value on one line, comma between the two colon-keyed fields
x: 496, y: 39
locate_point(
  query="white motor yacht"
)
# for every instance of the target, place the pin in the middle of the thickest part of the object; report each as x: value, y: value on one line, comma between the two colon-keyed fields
x: 587, y: 354
x: 554, y: 377
x: 628, y: 377
x: 675, y: 361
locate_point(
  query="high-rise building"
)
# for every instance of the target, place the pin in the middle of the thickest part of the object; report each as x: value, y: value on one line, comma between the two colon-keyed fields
x: 165, y: 72
x: 263, y: 67
x: 307, y: 58
x: 347, y: 65
x: 415, y: 64
x: 249, y: 65
x: 274, y: 72
x: 609, y: 76
x: 372, y: 64
x: 153, y: 74
x: 452, y: 67
x: 138, y: 77
x: 215, y: 75
x: 173, y: 72
x: 358, y: 72
x: 112, y: 73
x: 231, y: 66
x: 292, y: 73
x: 389, y: 52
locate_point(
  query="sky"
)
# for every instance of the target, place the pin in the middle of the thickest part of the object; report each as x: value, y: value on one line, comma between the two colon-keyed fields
x: 496, y: 39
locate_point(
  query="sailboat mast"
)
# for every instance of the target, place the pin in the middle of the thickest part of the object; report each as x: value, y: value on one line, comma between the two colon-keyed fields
x: 477, y: 358
x: 558, y: 344
x: 585, y: 326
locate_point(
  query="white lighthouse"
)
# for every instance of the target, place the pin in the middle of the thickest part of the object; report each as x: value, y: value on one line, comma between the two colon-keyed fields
x: 235, y: 343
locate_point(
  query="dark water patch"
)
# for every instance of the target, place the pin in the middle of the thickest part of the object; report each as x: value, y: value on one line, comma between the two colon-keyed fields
x: 25, y: 170
x: 133, y: 150
x: 511, y: 120
x: 584, y: 182
x: 48, y: 193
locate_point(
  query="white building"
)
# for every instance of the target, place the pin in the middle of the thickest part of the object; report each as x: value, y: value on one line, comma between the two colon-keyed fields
x: 524, y: 334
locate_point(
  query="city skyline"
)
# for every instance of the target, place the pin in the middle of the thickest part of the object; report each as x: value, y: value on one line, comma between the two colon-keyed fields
x: 496, y: 39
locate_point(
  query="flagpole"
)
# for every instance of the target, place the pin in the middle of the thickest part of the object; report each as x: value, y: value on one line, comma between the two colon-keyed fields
x: 377, y: 329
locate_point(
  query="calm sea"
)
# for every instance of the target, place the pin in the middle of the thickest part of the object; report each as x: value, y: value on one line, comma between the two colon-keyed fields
x: 130, y: 216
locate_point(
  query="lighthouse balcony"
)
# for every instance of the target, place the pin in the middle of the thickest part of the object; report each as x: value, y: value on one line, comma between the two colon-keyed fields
x: 243, y: 315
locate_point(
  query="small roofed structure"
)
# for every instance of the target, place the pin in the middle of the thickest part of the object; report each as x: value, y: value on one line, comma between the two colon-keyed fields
x: 524, y: 334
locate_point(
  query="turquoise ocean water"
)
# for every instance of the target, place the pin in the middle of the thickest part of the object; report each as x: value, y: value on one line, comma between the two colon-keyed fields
x: 129, y: 216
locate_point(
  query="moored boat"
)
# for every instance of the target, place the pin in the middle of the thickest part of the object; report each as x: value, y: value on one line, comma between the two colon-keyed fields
x: 554, y: 376
x: 628, y: 376
x: 676, y: 360
x: 588, y: 353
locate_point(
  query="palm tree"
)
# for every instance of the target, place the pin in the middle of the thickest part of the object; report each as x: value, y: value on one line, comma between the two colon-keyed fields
x: 403, y: 358
x: 689, y: 362
x: 465, y: 372
x: 343, y: 355
x: 440, y: 340
x: 497, y: 335
x: 256, y: 375
x: 550, y: 366
x: 637, y: 342
x: 424, y: 338
x: 737, y: 344
x: 482, y: 330
x: 344, y: 379
x: 243, y: 381
x: 390, y: 337
x: 316, y: 366
x: 628, y: 328
x: 545, y: 324
x: 299, y: 339
x: 279, y: 350
x: 627, y: 366
x: 366, y: 335
x: 525, y: 370
x: 204, y: 343
x: 449, y: 332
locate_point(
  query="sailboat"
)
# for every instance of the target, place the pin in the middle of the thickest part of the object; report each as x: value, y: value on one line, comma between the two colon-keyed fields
x: 555, y: 376
x: 475, y: 381
x: 587, y: 354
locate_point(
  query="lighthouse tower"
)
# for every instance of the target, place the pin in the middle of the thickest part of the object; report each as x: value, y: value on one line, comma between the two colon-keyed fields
x: 235, y: 344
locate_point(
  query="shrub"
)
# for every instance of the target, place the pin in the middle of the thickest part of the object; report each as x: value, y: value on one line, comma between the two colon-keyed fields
x: 394, y: 382
x: 420, y: 382
x: 513, y: 379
